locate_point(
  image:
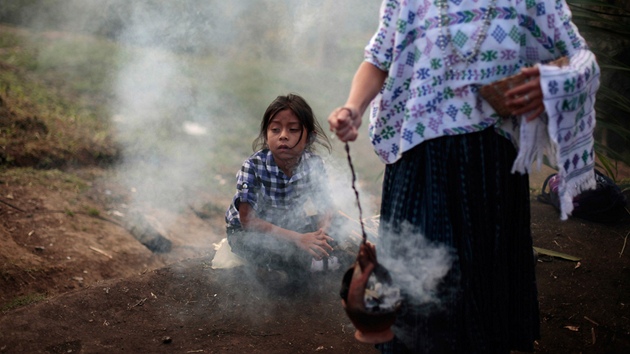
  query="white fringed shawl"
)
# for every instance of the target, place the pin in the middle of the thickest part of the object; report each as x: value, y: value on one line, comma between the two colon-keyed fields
x: 565, y: 132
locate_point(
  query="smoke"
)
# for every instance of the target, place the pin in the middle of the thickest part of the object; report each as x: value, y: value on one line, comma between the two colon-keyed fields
x: 193, y: 78
x: 416, y: 265
x: 257, y: 50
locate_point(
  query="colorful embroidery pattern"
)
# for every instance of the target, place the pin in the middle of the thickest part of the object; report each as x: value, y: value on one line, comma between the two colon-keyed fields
x: 427, y: 95
x: 569, y: 101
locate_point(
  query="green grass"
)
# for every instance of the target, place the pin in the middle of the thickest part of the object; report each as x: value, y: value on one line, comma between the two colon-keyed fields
x: 51, y: 179
x: 93, y: 212
x: 21, y: 301
x: 75, y: 93
x: 71, y: 125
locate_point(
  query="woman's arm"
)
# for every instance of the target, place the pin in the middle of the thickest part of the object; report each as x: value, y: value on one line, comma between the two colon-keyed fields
x: 366, y: 84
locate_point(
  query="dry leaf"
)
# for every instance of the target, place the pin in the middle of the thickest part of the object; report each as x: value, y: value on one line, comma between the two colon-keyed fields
x: 556, y: 254
x: 572, y: 328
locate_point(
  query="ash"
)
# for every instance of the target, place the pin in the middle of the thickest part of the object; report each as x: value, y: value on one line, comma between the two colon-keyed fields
x: 381, y: 296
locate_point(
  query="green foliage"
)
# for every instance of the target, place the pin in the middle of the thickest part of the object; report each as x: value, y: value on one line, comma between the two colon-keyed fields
x: 48, y: 114
x: 93, y: 212
x: 606, y: 27
x: 51, y: 179
x: 22, y: 301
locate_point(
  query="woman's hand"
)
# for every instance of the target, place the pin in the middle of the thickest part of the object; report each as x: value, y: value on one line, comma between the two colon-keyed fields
x: 367, y: 257
x: 315, y: 243
x: 366, y: 263
x: 345, y: 121
x: 528, y: 97
x: 367, y: 82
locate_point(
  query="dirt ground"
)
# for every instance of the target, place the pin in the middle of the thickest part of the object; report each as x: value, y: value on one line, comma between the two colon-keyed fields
x: 73, y: 279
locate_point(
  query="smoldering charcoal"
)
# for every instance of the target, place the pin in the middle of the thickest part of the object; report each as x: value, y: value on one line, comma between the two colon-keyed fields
x: 380, y: 296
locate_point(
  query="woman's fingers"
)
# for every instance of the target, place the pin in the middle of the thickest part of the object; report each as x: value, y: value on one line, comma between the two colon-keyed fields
x: 367, y: 255
x: 346, y: 132
x: 524, y: 93
x: 532, y: 106
x: 341, y: 121
x: 350, y: 135
x: 527, y: 98
x: 535, y: 114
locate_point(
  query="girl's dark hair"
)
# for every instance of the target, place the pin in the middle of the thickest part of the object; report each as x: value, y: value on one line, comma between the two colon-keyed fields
x: 304, y: 114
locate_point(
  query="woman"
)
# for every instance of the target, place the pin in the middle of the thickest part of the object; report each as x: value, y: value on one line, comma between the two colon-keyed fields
x: 449, y: 156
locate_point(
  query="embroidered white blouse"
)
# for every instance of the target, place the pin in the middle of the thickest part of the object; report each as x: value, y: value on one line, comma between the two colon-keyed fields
x: 431, y: 92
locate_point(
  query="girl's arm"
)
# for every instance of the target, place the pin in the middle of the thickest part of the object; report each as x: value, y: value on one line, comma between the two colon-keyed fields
x: 315, y: 243
x: 366, y: 84
x: 325, y: 220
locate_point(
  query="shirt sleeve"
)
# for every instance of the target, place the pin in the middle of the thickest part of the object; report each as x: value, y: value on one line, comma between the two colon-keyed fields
x: 379, y: 50
x: 246, y: 186
x: 549, y: 32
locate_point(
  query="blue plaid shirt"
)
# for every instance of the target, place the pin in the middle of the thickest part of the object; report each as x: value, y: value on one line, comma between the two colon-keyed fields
x: 274, y: 196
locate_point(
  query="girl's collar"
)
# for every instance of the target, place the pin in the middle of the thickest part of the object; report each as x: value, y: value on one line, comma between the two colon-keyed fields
x: 273, y: 166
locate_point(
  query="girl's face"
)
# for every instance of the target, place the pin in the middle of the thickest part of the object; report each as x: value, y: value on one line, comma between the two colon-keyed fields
x: 286, y: 138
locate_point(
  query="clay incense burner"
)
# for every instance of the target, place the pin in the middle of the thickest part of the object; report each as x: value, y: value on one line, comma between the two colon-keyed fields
x: 372, y: 325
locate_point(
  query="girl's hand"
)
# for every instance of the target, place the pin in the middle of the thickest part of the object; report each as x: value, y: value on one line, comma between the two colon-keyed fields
x: 315, y: 243
x: 345, y: 121
x: 528, y: 97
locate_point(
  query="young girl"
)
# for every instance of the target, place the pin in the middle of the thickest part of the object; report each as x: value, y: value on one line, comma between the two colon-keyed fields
x: 279, y: 213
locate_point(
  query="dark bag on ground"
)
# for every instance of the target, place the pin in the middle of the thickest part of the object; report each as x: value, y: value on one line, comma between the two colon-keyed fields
x: 606, y: 203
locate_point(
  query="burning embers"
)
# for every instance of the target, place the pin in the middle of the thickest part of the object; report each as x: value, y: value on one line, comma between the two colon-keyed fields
x: 381, y: 296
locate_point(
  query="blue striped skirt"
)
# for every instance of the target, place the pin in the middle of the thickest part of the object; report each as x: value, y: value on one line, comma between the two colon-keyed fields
x: 458, y: 191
